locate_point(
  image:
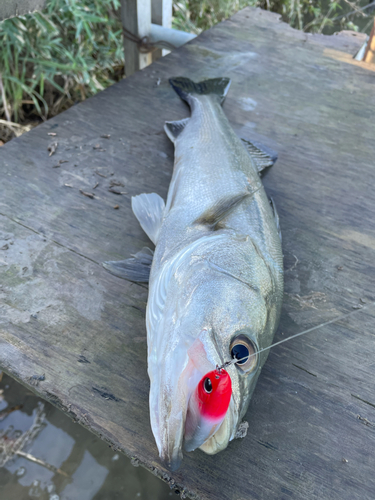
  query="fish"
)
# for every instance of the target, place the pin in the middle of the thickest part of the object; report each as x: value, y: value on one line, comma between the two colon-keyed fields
x: 215, y: 278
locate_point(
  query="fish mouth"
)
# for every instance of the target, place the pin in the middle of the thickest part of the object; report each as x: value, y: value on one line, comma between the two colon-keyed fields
x: 170, y: 401
x: 219, y: 440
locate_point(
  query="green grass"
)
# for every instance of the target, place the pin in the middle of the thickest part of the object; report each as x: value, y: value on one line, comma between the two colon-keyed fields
x: 317, y: 16
x: 199, y: 15
x: 51, y: 59
x: 74, y: 48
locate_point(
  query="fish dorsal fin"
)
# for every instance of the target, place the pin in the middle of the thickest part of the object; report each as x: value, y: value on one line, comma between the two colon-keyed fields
x: 263, y: 157
x: 174, y: 129
x: 149, y: 210
x: 136, y: 268
x: 214, y: 215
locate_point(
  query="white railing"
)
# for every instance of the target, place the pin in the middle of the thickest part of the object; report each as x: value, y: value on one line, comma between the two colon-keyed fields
x: 147, y: 24
x: 148, y: 32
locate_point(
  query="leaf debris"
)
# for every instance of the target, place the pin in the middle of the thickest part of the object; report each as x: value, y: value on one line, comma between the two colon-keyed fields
x: 89, y: 195
x: 116, y: 191
x: 52, y: 148
x: 365, y: 421
x: 113, y: 182
x: 60, y: 162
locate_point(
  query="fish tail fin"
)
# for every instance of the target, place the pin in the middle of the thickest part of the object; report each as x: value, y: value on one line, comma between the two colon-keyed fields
x: 187, y: 89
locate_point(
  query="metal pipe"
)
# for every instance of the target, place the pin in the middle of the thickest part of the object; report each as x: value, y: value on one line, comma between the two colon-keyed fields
x: 173, y: 37
x: 360, y: 54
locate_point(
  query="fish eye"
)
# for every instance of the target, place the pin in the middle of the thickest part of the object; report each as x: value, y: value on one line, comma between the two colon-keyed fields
x: 243, y: 349
x: 207, y: 384
x: 240, y: 352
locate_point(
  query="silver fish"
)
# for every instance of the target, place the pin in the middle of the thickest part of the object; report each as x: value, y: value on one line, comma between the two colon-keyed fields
x: 216, y: 278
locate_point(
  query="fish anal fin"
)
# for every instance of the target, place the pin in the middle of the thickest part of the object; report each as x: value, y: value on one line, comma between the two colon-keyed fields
x: 214, y: 215
x: 136, y: 268
x: 263, y: 156
x: 149, y: 210
x: 174, y: 129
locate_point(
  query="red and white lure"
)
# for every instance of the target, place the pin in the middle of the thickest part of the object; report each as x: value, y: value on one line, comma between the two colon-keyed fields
x: 207, y: 407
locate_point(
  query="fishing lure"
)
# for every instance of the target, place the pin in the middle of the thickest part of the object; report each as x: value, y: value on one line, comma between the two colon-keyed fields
x: 207, y: 407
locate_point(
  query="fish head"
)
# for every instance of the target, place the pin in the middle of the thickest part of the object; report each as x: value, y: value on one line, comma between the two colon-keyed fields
x: 220, y: 320
x: 196, y: 403
x: 186, y: 373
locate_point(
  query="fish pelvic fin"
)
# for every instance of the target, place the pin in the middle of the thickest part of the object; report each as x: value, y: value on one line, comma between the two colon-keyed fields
x: 263, y: 156
x: 186, y: 88
x: 174, y: 129
x: 149, y: 210
x: 136, y: 268
x: 277, y: 219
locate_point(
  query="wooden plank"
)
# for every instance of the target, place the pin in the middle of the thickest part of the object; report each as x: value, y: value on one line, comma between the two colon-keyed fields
x: 339, y: 55
x: 12, y: 8
x: 136, y: 19
x: 312, y: 418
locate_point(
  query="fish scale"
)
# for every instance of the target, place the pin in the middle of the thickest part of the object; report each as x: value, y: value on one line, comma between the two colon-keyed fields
x: 204, y: 163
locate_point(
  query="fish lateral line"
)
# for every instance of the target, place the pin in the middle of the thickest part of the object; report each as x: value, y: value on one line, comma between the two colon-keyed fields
x: 334, y: 320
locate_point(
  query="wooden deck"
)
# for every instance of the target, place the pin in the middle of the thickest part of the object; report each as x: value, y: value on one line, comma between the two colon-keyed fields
x: 81, y: 331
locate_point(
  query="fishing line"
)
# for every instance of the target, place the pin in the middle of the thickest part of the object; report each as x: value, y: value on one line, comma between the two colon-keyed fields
x: 334, y: 320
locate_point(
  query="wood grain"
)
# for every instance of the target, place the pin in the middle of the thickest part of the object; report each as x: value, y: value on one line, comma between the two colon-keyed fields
x: 312, y: 418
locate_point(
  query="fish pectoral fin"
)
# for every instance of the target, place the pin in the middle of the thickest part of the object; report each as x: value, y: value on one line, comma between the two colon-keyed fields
x: 263, y: 156
x: 149, y: 210
x: 136, y: 268
x: 277, y: 219
x: 174, y: 129
x: 214, y: 215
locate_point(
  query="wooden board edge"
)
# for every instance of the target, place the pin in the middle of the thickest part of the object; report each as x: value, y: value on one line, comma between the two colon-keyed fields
x: 338, y: 55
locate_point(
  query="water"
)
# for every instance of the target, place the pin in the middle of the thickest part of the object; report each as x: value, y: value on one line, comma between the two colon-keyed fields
x: 90, y: 469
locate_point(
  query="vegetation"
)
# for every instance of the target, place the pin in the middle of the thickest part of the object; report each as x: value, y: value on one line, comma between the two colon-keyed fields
x: 317, y: 16
x: 73, y: 49
x: 52, y: 59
